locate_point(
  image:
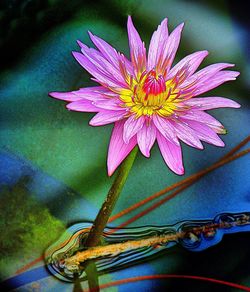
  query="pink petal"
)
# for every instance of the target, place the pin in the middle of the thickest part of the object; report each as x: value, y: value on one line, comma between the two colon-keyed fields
x: 137, y: 47
x: 215, y: 81
x: 102, y: 64
x: 198, y: 79
x: 106, y: 117
x: 205, y: 133
x: 102, y: 78
x: 146, y: 138
x: 109, y: 104
x: 111, y: 54
x: 189, y: 64
x: 171, y: 153
x: 91, y: 93
x: 158, y: 41
x: 118, y: 150
x: 204, y: 118
x: 166, y: 129
x: 207, y: 103
x: 106, y: 49
x: 126, y: 68
x: 67, y: 96
x: 186, y: 134
x: 131, y: 127
x: 168, y: 52
x: 82, y: 106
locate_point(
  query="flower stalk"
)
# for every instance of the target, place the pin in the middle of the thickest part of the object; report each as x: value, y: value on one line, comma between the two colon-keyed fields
x: 109, y: 204
x: 104, y: 213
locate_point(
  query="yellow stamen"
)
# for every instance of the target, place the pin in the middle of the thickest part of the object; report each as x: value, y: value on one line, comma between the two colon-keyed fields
x: 151, y: 94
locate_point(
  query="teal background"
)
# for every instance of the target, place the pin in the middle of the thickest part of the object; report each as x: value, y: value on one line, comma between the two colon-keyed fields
x: 53, y: 164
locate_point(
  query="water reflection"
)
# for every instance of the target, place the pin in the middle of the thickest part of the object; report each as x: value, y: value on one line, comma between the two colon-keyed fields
x: 123, y: 247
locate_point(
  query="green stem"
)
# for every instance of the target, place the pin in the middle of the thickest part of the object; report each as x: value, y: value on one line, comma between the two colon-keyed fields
x: 92, y: 276
x: 104, y: 213
x: 109, y: 204
x: 77, y: 285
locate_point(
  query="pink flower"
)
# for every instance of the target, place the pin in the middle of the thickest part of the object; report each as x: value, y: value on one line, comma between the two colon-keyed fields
x: 148, y: 99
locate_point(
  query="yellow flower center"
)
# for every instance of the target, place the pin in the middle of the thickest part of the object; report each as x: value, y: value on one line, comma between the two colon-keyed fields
x: 151, y: 94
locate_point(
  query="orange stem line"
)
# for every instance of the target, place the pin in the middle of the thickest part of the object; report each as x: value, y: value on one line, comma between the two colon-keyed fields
x: 151, y: 208
x: 191, y: 178
x: 236, y: 148
x: 29, y: 265
x: 168, y: 276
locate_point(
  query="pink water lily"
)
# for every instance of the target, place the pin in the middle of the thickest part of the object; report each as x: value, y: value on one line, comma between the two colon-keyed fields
x: 147, y: 99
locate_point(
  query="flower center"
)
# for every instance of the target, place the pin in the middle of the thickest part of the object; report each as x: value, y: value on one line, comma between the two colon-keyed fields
x: 153, y: 84
x: 151, y: 94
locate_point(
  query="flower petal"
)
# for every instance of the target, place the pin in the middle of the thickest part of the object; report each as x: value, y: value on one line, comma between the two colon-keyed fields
x: 111, y: 54
x: 109, y: 104
x: 204, y: 118
x: 103, y: 65
x: 146, y: 138
x: 171, y: 153
x: 82, y: 106
x: 205, y: 133
x: 166, y: 129
x: 126, y: 68
x: 67, y: 96
x: 137, y: 47
x: 207, y: 72
x: 169, y: 50
x: 90, y: 93
x: 188, y: 65
x: 102, y: 78
x: 186, y: 134
x: 118, y: 150
x: 106, y: 117
x: 216, y: 80
x: 131, y: 127
x: 106, y: 49
x: 158, y: 41
x: 207, y: 103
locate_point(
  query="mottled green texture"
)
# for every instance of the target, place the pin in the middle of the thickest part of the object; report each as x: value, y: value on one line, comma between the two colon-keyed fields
x: 26, y: 227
